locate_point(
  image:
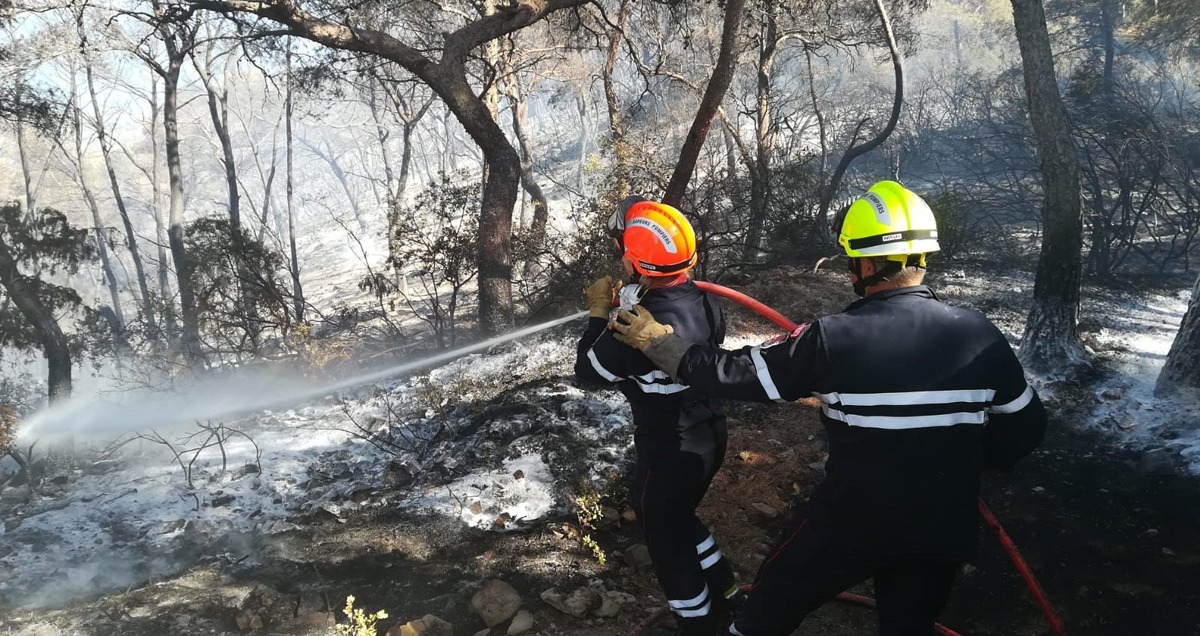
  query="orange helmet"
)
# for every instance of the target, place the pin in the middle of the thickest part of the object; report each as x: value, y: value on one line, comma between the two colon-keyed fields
x: 657, y: 239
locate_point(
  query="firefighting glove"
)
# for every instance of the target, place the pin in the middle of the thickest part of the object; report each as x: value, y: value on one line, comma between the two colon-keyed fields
x: 638, y: 329
x: 599, y: 297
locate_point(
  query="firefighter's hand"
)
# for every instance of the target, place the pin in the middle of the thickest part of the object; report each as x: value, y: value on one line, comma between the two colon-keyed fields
x: 638, y: 328
x: 599, y: 297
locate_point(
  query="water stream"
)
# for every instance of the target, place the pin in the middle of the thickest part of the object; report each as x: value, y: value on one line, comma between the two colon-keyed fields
x: 224, y: 396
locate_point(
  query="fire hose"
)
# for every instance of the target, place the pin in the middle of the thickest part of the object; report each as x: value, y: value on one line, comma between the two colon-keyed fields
x: 1035, y: 588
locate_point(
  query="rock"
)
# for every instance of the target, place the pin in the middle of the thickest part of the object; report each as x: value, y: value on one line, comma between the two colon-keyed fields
x: 1152, y: 532
x: 484, y: 632
x: 221, y: 500
x: 638, y: 556
x: 628, y: 515
x: 476, y: 508
x: 429, y: 625
x: 1168, y: 552
x: 745, y: 456
x: 521, y: 623
x: 766, y: 511
x: 496, y: 602
x: 578, y: 603
x: 1127, y: 421
x: 519, y: 474
x: 608, y: 607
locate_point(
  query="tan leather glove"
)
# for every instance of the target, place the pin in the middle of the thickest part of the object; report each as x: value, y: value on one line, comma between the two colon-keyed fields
x: 599, y: 297
x: 638, y: 328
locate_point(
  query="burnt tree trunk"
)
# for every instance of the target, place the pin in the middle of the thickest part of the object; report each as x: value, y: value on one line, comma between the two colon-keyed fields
x: 760, y: 172
x: 714, y: 93
x: 1182, y: 369
x: 1051, y: 336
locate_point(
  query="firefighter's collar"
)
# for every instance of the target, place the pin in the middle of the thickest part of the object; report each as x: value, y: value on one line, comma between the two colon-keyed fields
x: 922, y: 291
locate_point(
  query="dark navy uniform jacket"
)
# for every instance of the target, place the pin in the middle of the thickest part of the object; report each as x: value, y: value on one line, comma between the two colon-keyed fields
x: 661, y: 406
x: 917, y: 398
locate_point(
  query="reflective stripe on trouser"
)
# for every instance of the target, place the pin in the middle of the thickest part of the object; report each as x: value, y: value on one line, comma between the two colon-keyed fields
x: 667, y: 487
x: 806, y: 570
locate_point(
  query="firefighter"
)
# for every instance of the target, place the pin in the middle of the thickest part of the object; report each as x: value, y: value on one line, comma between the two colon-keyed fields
x: 679, y: 433
x: 917, y: 397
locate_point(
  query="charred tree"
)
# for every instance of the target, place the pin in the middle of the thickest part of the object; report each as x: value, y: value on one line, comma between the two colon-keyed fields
x: 829, y: 192
x: 710, y: 103
x: 1051, y: 336
x: 1182, y: 369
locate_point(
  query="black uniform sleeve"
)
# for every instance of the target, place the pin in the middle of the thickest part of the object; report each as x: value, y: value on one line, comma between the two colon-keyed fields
x: 1016, y: 418
x: 780, y: 371
x: 599, y: 358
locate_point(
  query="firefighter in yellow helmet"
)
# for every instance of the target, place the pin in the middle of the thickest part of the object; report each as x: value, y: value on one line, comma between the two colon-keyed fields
x: 679, y: 433
x: 917, y: 398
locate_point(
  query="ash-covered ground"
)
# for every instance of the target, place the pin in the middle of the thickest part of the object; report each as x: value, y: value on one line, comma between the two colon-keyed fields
x: 410, y: 494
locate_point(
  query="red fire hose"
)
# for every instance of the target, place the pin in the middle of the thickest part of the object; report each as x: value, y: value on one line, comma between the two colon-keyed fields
x: 1035, y: 588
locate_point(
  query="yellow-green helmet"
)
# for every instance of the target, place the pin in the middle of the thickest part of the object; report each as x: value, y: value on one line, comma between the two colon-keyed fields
x: 889, y: 220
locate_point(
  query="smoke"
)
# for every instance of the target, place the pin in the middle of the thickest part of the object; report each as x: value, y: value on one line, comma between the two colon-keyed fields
x: 209, y: 398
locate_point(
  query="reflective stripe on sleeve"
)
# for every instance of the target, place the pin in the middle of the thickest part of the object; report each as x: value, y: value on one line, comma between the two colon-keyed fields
x: 604, y: 373
x: 764, y: 375
x: 703, y: 546
x: 734, y: 630
x: 1021, y: 402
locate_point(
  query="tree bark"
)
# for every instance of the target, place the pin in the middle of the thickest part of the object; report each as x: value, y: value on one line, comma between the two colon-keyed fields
x: 615, y: 125
x: 1182, y: 369
x: 26, y: 169
x: 722, y: 76
x: 175, y: 230
x: 760, y: 173
x: 297, y: 289
x: 54, y: 342
x: 147, y: 302
x: 1051, y: 336
x: 519, y: 108
x: 160, y: 228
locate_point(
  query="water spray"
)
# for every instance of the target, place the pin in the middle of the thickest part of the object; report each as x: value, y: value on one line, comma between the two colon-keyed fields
x: 225, y: 396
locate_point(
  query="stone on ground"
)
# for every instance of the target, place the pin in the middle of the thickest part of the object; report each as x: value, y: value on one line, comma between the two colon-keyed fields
x: 521, y: 623
x: 578, y: 603
x: 430, y: 625
x: 496, y: 602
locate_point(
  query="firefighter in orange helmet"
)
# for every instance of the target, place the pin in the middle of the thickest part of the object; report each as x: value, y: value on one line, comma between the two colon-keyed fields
x: 679, y: 433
